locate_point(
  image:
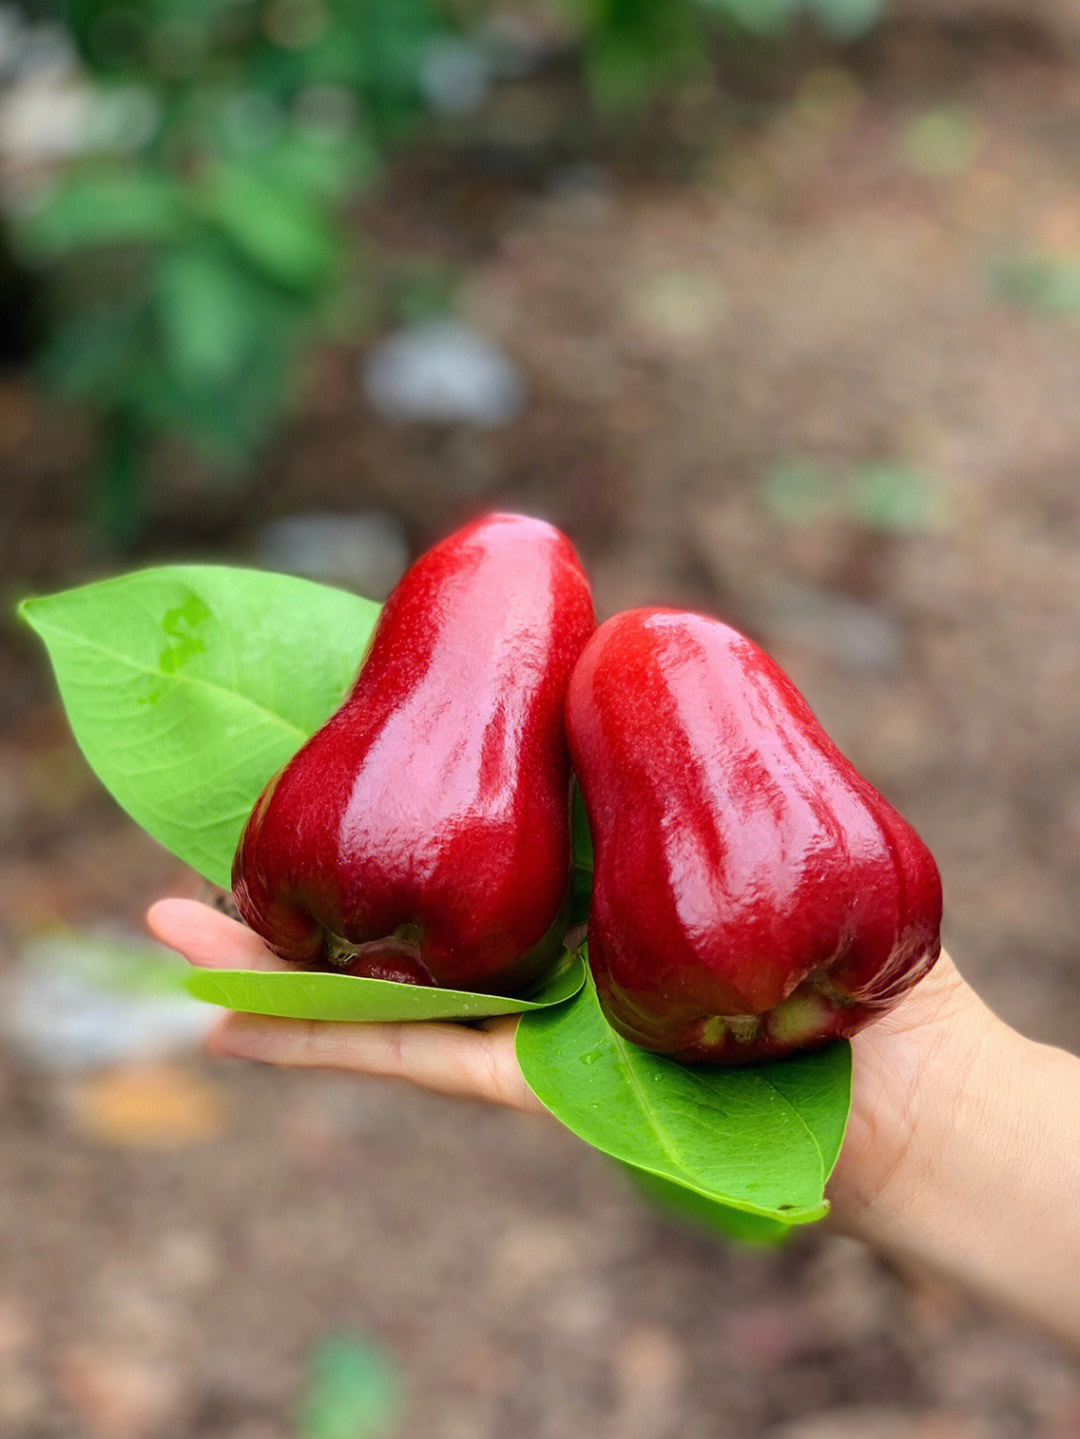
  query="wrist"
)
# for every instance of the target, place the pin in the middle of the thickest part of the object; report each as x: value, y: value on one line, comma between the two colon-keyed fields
x: 946, y: 1138
x: 966, y: 1159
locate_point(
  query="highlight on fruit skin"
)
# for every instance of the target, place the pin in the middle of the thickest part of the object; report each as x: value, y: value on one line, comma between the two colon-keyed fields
x: 753, y: 894
x: 423, y: 833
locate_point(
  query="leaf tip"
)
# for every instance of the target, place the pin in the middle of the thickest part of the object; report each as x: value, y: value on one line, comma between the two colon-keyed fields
x: 24, y: 610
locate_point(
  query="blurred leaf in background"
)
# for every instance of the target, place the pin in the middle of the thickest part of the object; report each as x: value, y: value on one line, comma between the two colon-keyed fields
x: 886, y: 495
x: 183, y: 169
x: 637, y: 47
x: 354, y: 1390
x: 943, y: 141
x: 189, y: 273
x: 759, y: 17
x: 1051, y: 286
x: 846, y: 19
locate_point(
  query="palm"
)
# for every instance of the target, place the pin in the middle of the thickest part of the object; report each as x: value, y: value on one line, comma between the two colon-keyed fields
x: 892, y: 1060
x: 451, y: 1058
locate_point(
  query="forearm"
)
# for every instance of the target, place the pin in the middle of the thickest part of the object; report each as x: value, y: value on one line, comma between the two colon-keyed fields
x: 983, y: 1186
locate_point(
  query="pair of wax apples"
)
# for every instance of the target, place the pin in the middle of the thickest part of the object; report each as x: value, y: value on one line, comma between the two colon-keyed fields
x: 752, y: 893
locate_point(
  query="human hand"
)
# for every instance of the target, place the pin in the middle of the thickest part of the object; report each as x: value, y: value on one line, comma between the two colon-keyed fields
x: 961, y: 1152
x: 472, y: 1062
x: 896, y: 1060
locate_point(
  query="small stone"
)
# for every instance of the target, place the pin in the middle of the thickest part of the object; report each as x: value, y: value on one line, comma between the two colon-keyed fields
x: 943, y: 141
x: 442, y: 372
x: 366, y: 553
x: 677, y: 306
x: 455, y: 76
x: 530, y: 1255
x: 768, y: 1336
x: 76, y: 1001
x: 39, y: 119
x: 585, y: 1311
x: 486, y: 1368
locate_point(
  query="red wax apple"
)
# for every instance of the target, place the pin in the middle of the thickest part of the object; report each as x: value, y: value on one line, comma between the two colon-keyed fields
x: 753, y: 894
x: 423, y: 833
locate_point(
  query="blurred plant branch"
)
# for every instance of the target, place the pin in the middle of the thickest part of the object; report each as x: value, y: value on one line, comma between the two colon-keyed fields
x: 190, y: 223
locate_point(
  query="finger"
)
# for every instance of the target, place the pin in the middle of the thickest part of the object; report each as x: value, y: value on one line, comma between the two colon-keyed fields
x: 208, y: 938
x: 447, y: 1058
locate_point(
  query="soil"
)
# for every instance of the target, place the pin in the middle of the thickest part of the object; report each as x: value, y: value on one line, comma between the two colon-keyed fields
x: 785, y: 282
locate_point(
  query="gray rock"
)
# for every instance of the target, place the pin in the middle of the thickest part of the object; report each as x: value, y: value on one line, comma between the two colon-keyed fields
x: 455, y: 76
x: 79, y: 1001
x: 366, y: 553
x: 443, y: 372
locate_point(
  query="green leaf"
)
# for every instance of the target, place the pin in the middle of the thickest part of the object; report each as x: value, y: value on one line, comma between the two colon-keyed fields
x: 277, y: 230
x: 641, y: 49
x: 1052, y: 286
x: 800, y: 491
x: 582, y: 838
x: 761, y: 1139
x: 90, y: 211
x: 204, y: 307
x: 759, y: 17
x: 99, y: 354
x: 847, y: 19
x: 891, y: 496
x: 305, y: 995
x: 322, y: 169
x: 353, y: 1391
x: 226, y: 337
x: 375, y: 50
x: 943, y: 142
x: 188, y: 687
x: 581, y: 897
x: 884, y: 495
x: 694, y: 1210
x: 228, y: 420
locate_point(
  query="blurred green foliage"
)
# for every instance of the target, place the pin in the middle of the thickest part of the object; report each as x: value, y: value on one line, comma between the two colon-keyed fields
x: 354, y: 1390
x: 189, y: 272
x: 1051, y: 286
x: 943, y: 141
x: 192, y: 261
x: 633, y: 48
x: 886, y: 495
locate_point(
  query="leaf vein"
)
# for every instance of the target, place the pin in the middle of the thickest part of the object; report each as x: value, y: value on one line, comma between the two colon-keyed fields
x: 186, y: 679
x: 648, y: 1109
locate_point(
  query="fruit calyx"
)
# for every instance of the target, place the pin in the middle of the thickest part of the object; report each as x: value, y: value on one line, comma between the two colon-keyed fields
x: 397, y: 957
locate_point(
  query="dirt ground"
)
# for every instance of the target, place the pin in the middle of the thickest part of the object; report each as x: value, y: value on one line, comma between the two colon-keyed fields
x: 722, y: 336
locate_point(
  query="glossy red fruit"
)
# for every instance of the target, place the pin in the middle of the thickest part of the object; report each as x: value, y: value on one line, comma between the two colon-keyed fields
x: 423, y: 833
x: 752, y: 893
